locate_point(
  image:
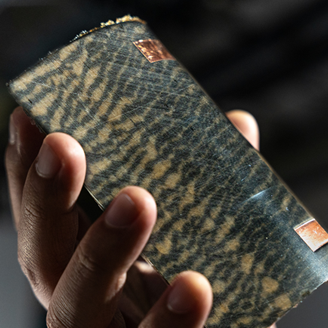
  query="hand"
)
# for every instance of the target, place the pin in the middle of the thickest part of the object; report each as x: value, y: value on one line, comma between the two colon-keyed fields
x: 78, y: 270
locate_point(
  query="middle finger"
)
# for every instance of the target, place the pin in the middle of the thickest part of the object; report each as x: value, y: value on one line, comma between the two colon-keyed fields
x: 87, y: 293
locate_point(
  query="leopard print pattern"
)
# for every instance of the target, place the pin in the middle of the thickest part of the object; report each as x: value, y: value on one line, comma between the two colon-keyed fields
x: 221, y: 209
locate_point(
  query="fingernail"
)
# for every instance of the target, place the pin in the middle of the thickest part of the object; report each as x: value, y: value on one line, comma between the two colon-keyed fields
x: 122, y: 213
x: 12, y: 131
x: 48, y: 163
x: 180, y: 300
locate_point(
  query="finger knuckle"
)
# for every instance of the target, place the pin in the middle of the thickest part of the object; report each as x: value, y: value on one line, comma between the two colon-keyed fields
x: 29, y: 265
x: 54, y: 319
x: 88, y: 264
x: 30, y: 272
x: 31, y: 209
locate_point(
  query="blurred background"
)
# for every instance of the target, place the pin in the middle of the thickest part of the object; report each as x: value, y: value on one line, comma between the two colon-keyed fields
x: 267, y: 57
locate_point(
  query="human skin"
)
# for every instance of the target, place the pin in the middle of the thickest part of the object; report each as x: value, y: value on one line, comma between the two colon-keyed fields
x: 89, y: 275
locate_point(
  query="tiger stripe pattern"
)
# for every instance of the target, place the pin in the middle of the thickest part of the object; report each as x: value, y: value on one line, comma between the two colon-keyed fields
x: 221, y: 209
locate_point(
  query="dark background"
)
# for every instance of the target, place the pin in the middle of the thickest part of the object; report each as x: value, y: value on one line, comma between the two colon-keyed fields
x: 267, y: 57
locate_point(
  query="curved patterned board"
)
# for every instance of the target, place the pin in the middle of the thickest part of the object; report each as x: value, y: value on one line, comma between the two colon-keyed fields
x: 146, y: 122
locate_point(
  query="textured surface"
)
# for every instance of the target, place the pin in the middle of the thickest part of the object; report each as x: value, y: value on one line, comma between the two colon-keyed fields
x: 221, y: 209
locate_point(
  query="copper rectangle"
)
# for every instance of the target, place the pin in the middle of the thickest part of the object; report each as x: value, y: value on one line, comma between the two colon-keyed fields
x: 153, y: 50
x: 312, y: 234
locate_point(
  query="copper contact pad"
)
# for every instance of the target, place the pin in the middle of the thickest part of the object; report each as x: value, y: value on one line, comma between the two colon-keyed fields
x: 312, y: 234
x: 153, y: 50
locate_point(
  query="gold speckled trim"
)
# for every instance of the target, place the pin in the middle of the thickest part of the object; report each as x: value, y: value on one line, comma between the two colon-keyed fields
x: 126, y: 18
